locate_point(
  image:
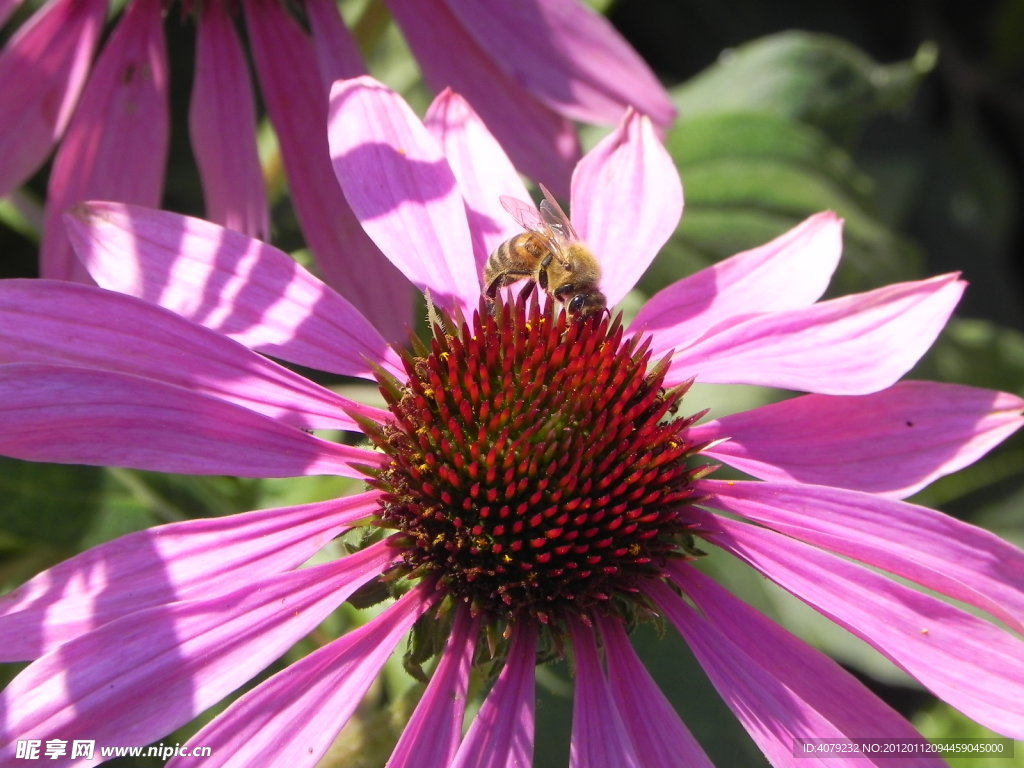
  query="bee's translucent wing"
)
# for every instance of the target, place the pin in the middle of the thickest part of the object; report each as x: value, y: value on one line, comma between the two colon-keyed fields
x: 525, y: 214
x: 555, y: 217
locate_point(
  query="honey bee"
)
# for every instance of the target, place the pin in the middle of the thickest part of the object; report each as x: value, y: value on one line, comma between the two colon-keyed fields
x: 550, y: 254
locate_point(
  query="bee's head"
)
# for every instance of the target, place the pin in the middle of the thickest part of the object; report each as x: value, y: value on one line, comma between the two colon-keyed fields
x: 584, y: 304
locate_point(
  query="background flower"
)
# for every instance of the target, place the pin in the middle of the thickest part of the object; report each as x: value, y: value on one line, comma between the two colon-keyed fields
x: 423, y: 207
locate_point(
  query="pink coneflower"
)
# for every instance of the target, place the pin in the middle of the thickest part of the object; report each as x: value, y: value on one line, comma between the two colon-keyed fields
x: 536, y: 485
x: 529, y: 70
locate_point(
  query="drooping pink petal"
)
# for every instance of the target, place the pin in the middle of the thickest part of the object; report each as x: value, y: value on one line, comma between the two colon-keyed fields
x: 222, y: 126
x: 296, y: 101
x: 790, y: 272
x: 779, y: 687
x: 599, y: 737
x: 337, y: 52
x: 293, y: 717
x: 892, y: 442
x: 42, y: 69
x: 966, y: 661
x: 432, y: 734
x: 180, y: 561
x: 934, y: 550
x: 191, y: 653
x: 847, y: 346
x: 399, y: 184
x: 482, y: 169
x: 53, y: 321
x: 71, y: 415
x: 568, y: 55
x: 501, y: 735
x: 116, y: 144
x: 540, y: 142
x: 626, y: 202
x: 658, y: 735
x: 240, y: 287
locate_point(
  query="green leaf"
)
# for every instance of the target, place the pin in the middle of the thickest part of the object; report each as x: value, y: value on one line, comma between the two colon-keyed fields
x: 814, y: 78
x: 750, y: 176
x: 941, y: 721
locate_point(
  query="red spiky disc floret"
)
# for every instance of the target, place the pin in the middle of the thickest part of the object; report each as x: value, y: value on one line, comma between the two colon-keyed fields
x: 536, y: 469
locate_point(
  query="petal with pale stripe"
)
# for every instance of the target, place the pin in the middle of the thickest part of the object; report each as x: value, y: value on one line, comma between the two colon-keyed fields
x: 192, y: 652
x: 934, y: 550
x: 599, y: 737
x: 115, y: 147
x: 626, y: 202
x: 222, y: 127
x: 658, y: 735
x: 779, y: 687
x: 399, y: 184
x: 482, y: 168
x: 501, y: 734
x: 51, y: 321
x: 179, y: 561
x: 231, y: 283
x: 893, y: 442
x: 790, y: 272
x: 70, y: 415
x: 568, y: 55
x: 970, y: 663
x: 432, y: 735
x: 542, y: 143
x: 848, y: 346
x: 292, y: 718
x: 292, y: 83
x: 42, y: 69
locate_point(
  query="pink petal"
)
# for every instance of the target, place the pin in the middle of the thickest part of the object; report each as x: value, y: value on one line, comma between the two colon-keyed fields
x: 50, y: 321
x: 969, y: 663
x: 337, y: 52
x: 42, y: 69
x: 892, y: 442
x: 192, y: 652
x: 219, y: 278
x: 932, y: 549
x: 400, y: 186
x: 790, y: 272
x: 853, y: 345
x: 540, y: 142
x: 180, y: 561
x: 222, y: 125
x: 501, y: 735
x: 569, y: 56
x: 292, y: 718
x: 296, y: 101
x: 71, y: 415
x: 599, y: 738
x: 658, y: 735
x: 482, y: 169
x: 779, y: 687
x: 432, y: 734
x: 626, y: 202
x: 116, y: 144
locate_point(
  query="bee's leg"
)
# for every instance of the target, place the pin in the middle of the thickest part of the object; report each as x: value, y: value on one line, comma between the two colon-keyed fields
x: 505, y: 278
x: 527, y: 290
x: 542, y: 273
